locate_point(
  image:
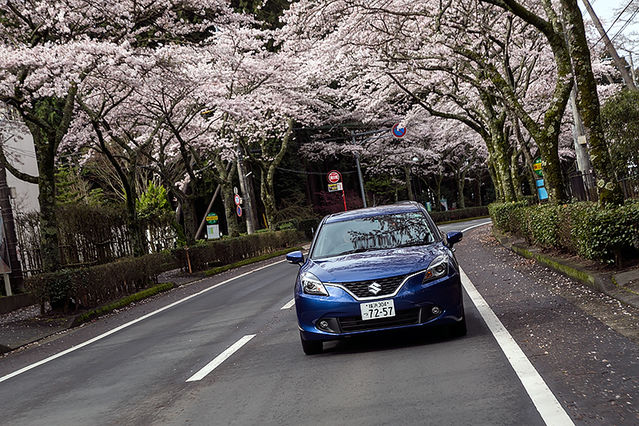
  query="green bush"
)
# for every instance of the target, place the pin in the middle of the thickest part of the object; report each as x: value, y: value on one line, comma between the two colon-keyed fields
x: 93, y: 286
x: 459, y: 214
x: 608, y: 234
x: 230, y: 250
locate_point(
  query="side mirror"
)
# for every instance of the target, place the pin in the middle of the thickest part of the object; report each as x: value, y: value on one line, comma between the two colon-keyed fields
x: 453, y: 238
x: 295, y: 257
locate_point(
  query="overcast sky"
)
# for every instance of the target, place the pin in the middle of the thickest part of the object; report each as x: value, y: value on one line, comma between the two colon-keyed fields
x: 607, y: 11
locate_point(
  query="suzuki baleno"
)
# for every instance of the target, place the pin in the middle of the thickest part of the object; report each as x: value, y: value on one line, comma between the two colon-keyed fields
x: 377, y: 269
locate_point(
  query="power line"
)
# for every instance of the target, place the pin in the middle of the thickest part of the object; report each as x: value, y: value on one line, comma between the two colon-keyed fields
x: 626, y: 24
x: 615, y: 21
x: 304, y: 172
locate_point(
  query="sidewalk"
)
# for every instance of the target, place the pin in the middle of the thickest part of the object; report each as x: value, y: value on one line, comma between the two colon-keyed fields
x: 25, y: 325
x: 621, y: 284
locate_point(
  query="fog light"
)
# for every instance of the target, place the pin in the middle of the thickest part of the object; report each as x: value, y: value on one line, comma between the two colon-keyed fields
x: 323, y: 324
x: 436, y: 310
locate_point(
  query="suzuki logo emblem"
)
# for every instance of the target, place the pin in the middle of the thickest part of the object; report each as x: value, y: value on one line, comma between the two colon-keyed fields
x: 375, y: 288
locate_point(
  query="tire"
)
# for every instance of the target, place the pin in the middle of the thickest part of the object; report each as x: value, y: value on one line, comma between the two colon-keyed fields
x: 458, y: 329
x: 311, y: 347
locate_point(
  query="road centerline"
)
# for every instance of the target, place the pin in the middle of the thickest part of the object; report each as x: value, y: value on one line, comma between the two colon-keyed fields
x: 130, y: 323
x: 288, y: 305
x: 218, y: 360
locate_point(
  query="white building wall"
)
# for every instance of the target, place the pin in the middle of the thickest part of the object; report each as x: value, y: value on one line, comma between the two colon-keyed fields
x: 20, y: 152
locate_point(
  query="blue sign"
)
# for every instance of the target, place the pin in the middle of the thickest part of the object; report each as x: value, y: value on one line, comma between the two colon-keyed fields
x: 541, y: 190
x: 239, y: 211
x: 398, y: 131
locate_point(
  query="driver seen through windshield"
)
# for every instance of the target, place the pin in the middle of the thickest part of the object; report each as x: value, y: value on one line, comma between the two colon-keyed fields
x: 372, y: 233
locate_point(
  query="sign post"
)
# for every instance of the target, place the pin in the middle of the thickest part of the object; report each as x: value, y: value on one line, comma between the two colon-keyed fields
x: 335, y: 184
x: 238, y: 201
x: 212, y: 226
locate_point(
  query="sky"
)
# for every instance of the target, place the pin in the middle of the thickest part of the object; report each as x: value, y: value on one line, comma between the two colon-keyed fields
x: 607, y: 11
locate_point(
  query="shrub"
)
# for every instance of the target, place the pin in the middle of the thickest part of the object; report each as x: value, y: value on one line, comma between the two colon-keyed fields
x: 92, y: 286
x: 230, y: 250
x: 459, y: 214
x: 608, y: 234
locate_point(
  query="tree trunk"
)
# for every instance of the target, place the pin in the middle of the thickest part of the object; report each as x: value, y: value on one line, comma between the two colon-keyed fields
x: 267, y: 191
x: 438, y: 190
x: 499, y: 193
x: 501, y: 161
x: 514, y: 174
x: 229, y: 208
x: 49, y: 244
x: 460, y: 178
x: 588, y: 103
x: 478, y: 200
x: 409, y: 184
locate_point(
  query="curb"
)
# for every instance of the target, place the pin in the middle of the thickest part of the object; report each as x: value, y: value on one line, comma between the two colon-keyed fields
x: 604, y: 283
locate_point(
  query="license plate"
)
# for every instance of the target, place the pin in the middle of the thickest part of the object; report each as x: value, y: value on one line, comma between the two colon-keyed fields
x: 377, y: 309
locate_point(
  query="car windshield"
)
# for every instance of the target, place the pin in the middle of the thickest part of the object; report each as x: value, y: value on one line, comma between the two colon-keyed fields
x: 372, y: 233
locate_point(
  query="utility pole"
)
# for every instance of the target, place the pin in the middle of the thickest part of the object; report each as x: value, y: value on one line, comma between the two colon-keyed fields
x: 16, y: 276
x: 579, y: 136
x: 609, y: 47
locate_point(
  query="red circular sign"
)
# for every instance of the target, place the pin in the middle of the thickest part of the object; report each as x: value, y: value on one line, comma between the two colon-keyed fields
x: 334, y: 176
x: 238, y: 200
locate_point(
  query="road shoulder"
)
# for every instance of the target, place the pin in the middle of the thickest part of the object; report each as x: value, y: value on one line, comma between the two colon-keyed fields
x: 564, y: 327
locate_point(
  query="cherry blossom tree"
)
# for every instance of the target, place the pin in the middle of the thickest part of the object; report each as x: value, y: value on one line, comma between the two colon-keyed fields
x: 50, y: 47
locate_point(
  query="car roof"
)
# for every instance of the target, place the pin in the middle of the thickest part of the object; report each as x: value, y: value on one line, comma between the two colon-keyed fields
x: 401, y: 207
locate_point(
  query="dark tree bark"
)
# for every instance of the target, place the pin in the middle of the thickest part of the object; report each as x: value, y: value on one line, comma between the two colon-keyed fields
x: 588, y: 103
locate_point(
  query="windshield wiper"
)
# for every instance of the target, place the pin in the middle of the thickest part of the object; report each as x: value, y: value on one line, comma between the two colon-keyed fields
x: 413, y: 243
x: 357, y: 250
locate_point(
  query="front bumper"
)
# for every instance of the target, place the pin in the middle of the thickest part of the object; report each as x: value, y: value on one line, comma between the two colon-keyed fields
x: 339, y: 315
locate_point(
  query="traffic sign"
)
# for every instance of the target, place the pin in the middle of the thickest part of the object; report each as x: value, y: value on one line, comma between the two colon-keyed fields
x: 334, y: 187
x: 212, y: 218
x: 239, y: 211
x: 537, y: 166
x: 334, y: 176
x: 399, y: 131
x: 238, y: 200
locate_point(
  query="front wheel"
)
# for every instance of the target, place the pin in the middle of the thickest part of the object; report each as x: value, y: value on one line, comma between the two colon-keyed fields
x: 311, y: 347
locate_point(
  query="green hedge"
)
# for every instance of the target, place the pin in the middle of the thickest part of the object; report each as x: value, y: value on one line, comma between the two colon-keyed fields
x: 459, y: 214
x: 88, y: 287
x: 609, y: 234
x: 229, y: 250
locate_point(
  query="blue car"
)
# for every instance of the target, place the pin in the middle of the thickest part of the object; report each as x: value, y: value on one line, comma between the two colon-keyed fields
x: 374, y: 269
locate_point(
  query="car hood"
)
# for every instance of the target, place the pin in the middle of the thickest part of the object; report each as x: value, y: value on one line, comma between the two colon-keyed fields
x: 374, y: 264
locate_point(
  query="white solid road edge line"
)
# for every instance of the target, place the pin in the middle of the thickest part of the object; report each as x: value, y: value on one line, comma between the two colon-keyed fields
x: 130, y: 323
x: 542, y: 397
x: 477, y: 226
x: 288, y: 305
x: 220, y: 358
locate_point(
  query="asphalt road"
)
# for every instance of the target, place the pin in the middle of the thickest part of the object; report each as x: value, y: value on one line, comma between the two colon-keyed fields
x: 230, y: 354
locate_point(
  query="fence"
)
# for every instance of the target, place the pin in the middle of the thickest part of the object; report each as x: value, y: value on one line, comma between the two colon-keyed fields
x: 583, y: 187
x: 85, y: 239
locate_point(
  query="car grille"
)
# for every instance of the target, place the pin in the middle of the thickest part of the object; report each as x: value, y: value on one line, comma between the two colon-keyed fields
x: 388, y: 285
x: 407, y: 317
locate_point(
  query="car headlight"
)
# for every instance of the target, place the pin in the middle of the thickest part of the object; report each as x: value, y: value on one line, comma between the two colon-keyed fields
x: 312, y: 285
x: 437, y: 268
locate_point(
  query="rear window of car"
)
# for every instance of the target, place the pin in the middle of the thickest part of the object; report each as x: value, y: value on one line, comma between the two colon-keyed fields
x: 372, y: 233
